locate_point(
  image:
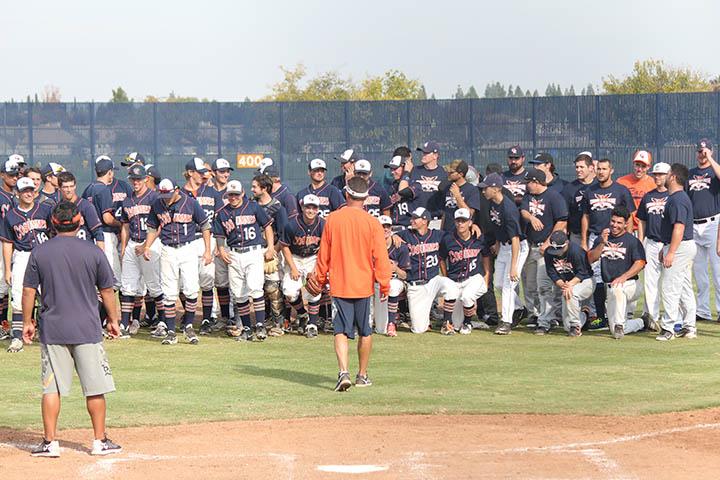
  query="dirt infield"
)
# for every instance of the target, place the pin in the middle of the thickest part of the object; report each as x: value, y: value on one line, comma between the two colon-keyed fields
x: 412, y: 447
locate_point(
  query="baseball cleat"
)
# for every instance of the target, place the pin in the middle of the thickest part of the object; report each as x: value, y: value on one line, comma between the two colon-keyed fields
x: 687, y: 332
x: 541, y: 330
x: 4, y: 334
x: 391, y: 330
x: 618, y: 332
x: 47, y: 449
x: 276, y: 331
x: 233, y: 331
x: 362, y: 381
x: 260, y: 332
x: 170, y: 338
x: 503, y: 329
x: 311, y: 331
x: 665, y: 336
x: 447, y: 329
x: 134, y: 327
x: 245, y: 336
x: 466, y: 329
x: 343, y: 382
x: 124, y: 333
x: 650, y: 324
x: 16, y: 346
x: 105, y: 447
x: 190, y: 335
x: 206, y: 327
x: 519, y: 315
x: 698, y: 318
x: 160, y: 331
x: 575, y: 331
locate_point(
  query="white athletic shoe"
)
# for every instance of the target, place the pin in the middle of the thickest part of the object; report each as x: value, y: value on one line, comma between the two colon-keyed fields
x: 105, y: 447
x: 47, y: 449
x: 16, y: 346
x: 134, y: 327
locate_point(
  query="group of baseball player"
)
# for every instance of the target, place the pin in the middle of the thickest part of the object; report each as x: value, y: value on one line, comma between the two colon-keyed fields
x: 235, y: 252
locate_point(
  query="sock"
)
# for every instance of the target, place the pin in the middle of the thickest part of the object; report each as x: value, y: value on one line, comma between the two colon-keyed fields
x: 599, y: 296
x: 4, y: 309
x: 469, y: 312
x: 314, y: 311
x: 151, y: 306
x: 243, y: 310
x: 182, y: 300
x: 126, y: 307
x: 169, y: 314
x: 224, y: 301
x: 189, y: 316
x: 299, y: 306
x: 259, y: 307
x: 17, y: 325
x: 392, y: 309
x: 137, y: 308
x: 158, y: 304
x: 448, y: 307
x: 207, y: 303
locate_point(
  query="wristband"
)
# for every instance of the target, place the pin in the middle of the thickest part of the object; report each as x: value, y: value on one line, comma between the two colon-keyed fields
x: 406, y: 178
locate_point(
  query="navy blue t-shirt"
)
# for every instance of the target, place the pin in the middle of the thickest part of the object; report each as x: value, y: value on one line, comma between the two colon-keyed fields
x: 135, y: 211
x: 515, y: 184
x: 549, y: 207
x: 400, y: 212
x: 599, y: 203
x: 330, y: 198
x: 566, y: 267
x: 425, y: 183
x: 464, y: 257
x: 303, y: 239
x: 557, y: 184
x: 424, y: 253
x: 574, y: 193
x: 242, y: 226
x: 377, y: 200
x: 618, y: 255
x: 91, y: 229
x: 650, y: 211
x: 26, y: 229
x: 678, y: 209
x: 100, y: 196
x: 400, y: 256
x: 704, y: 191
x: 178, y: 222
x: 506, y: 220
x: 469, y: 193
x: 338, y: 182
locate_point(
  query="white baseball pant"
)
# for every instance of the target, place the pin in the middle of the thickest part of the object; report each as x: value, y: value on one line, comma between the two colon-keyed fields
x: 178, y: 265
x: 112, y: 253
x: 678, y: 296
x: 597, y: 274
x: 618, y: 303
x: 652, y: 271
x: 470, y: 290
x: 140, y: 275
x: 4, y: 287
x: 379, y: 310
x: 291, y: 288
x: 206, y: 273
x: 571, y: 312
x: 246, y: 273
x: 17, y: 274
x: 705, y: 237
x: 539, y: 287
x: 421, y: 297
x: 509, y: 288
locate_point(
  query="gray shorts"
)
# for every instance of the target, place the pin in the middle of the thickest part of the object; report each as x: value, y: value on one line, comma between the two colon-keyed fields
x: 89, y: 360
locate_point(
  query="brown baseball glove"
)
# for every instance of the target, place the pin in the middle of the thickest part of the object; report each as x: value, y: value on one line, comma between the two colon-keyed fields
x: 313, y: 285
x: 271, y: 266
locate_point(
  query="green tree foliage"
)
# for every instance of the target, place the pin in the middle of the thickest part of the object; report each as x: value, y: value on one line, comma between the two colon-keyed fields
x: 119, y: 96
x: 653, y: 76
x: 519, y: 92
x: 472, y: 93
x: 495, y: 90
x: 459, y: 94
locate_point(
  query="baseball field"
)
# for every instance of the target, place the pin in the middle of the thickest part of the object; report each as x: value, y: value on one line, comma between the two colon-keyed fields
x: 478, y: 406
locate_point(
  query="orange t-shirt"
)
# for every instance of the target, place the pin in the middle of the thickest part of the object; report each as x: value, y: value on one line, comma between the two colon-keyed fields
x: 638, y: 189
x: 353, y: 254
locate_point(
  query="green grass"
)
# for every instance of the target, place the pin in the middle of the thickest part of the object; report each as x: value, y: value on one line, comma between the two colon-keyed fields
x: 426, y: 374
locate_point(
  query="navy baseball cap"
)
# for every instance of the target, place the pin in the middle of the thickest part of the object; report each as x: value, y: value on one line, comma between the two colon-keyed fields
x: 557, y: 242
x: 421, y: 212
x: 196, y: 164
x: 271, y: 171
x: 429, y: 147
x: 348, y: 155
x: 52, y: 168
x: 535, y: 175
x: 221, y: 164
x: 703, y: 143
x: 133, y: 158
x: 103, y: 164
x: 542, y: 158
x: 492, y: 180
x: 137, y: 172
x: 152, y: 171
x: 395, y: 162
x: 515, y: 152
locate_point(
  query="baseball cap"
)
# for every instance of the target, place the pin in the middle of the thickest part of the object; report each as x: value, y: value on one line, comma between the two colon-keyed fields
x: 18, y: 158
x: 661, y: 168
x: 153, y: 171
x: 317, y: 163
x: 429, y: 147
x: 462, y: 213
x: 421, y: 212
x: 221, y: 164
x: 52, y: 168
x: 458, y: 166
x: 558, y: 240
x: 533, y: 174
x: 311, y: 199
x: 103, y: 164
x: 385, y: 220
x: 11, y: 166
x: 166, y: 188
x: 196, y: 164
x: 137, y: 172
x: 25, y: 183
x: 395, y: 162
x: 542, y: 158
x: 703, y: 143
x: 234, y: 186
x: 642, y: 156
x: 515, y: 152
x: 492, y: 180
x: 363, y: 166
x: 348, y: 155
x: 132, y: 158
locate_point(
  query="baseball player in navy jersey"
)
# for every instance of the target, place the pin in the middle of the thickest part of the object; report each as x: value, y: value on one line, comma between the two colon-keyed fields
x: 138, y: 275
x: 153, y: 178
x: 90, y: 226
x: 378, y: 201
x: 279, y: 191
x: 175, y: 217
x: 424, y: 180
x: 401, y: 199
x: 330, y: 197
x: 347, y: 161
x: 239, y: 227
x: 221, y: 174
x: 48, y: 175
x: 459, y: 193
x: 33, y: 173
x: 510, y: 245
x: 704, y: 191
x: 300, y: 242
x: 400, y: 264
x: 568, y: 267
x: 514, y: 176
x: 464, y: 258
x: 545, y: 162
x: 650, y: 215
x: 622, y: 258
x: 9, y: 175
x: 424, y: 282
x: 544, y: 211
x: 25, y: 225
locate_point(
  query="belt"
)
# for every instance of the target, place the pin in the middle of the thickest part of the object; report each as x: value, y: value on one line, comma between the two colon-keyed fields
x: 417, y: 283
x: 137, y: 240
x: 505, y: 243
x: 178, y: 245
x: 700, y: 221
x: 245, y: 249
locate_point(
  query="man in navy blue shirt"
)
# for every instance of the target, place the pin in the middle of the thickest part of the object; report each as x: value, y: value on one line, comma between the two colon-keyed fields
x: 330, y: 197
x: 678, y: 253
x: 48, y: 175
x: 459, y: 193
x: 401, y: 199
x: 90, y: 228
x: 622, y: 258
x: 545, y: 163
x: 425, y: 179
x: 279, y: 191
x: 347, y: 163
x: 574, y: 192
x: 378, y: 201
x: 10, y: 174
x: 514, y: 176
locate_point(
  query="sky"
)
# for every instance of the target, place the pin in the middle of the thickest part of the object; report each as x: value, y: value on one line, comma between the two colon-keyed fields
x: 227, y: 50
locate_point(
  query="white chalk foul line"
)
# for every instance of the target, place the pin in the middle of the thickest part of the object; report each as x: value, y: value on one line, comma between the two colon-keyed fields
x: 352, y: 469
x: 607, y: 465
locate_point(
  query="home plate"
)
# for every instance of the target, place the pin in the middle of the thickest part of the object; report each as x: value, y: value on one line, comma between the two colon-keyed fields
x: 352, y: 468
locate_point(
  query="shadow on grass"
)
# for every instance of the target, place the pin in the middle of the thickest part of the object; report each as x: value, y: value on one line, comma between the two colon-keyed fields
x: 293, y: 376
x: 26, y: 441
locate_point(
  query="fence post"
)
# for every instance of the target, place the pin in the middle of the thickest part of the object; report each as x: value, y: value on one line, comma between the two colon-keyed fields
x: 219, y: 129
x: 717, y: 97
x: 409, y: 129
x: 534, y: 125
x: 155, y: 136
x: 31, y: 147
x: 597, y: 126
x: 657, y: 136
x: 346, y: 120
x: 92, y: 132
x: 471, y: 126
x: 281, y: 111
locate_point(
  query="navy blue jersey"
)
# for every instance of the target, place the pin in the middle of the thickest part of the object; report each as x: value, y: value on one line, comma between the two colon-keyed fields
x: 574, y: 193
x: 303, y: 239
x: 209, y: 199
x: 678, y: 209
x: 24, y: 229
x: 330, y: 198
x: 400, y: 210
x: 549, y: 207
x: 515, y: 184
x: 399, y: 256
x: 557, y: 184
x: 566, y: 267
x: 52, y: 198
x: 505, y: 219
x: 7, y: 201
x: 101, y: 198
x: 178, y: 222
x: 469, y: 193
x: 377, y: 200
x: 91, y: 228
x: 135, y: 211
x: 618, y: 255
x: 424, y: 253
x: 338, y: 182
x: 599, y: 202
x: 287, y: 199
x: 241, y: 226
x: 120, y: 190
x: 425, y: 183
x: 278, y: 215
x: 464, y: 257
x: 704, y: 191
x: 650, y: 211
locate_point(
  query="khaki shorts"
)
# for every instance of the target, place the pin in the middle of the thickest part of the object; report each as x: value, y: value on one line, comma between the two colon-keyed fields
x: 89, y: 360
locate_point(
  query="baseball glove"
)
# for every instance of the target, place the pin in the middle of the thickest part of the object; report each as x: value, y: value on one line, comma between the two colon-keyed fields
x: 313, y: 285
x: 271, y: 266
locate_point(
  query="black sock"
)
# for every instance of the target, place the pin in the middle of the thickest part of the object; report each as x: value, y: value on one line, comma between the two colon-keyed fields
x: 600, y: 296
x: 207, y: 304
x: 150, y: 306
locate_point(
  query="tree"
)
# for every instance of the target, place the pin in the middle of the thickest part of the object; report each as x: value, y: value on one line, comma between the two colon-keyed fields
x: 570, y: 92
x: 423, y: 93
x: 589, y: 90
x: 51, y: 94
x: 119, y: 96
x: 653, y: 76
x: 518, y: 92
x: 472, y: 93
x: 459, y: 94
x: 510, y: 91
x: 495, y: 90
x: 528, y: 94
x: 536, y: 93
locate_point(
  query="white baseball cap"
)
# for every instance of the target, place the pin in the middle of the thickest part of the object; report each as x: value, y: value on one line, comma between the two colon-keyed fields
x: 221, y: 164
x: 11, y: 166
x: 166, y: 188
x: 234, y: 186
x: 25, y: 183
x: 311, y: 199
x: 18, y: 158
x: 661, y: 168
x: 363, y: 166
x: 589, y: 154
x: 264, y: 163
x: 395, y: 162
x: 463, y: 213
x: 421, y: 212
x: 317, y: 163
x: 348, y: 155
x: 385, y: 220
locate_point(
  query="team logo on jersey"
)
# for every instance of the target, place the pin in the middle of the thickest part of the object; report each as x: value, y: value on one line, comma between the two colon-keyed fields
x: 579, y: 198
x: 140, y: 209
x: 699, y: 182
x: 428, y: 184
x: 495, y: 217
x: 206, y: 201
x: 372, y: 201
x: 118, y: 196
x: 656, y: 206
x: 614, y: 251
x: 516, y: 187
x: 562, y: 265
x: 450, y: 201
x: 602, y: 201
x: 420, y: 248
x: 537, y: 207
x: 464, y: 254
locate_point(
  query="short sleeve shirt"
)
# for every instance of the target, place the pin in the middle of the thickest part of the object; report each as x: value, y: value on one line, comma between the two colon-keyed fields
x: 650, y: 211
x: 678, y: 209
x: 549, y: 207
x: 599, y: 203
x: 619, y: 255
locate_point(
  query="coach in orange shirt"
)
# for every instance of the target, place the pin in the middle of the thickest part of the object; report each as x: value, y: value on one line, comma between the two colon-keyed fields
x: 639, y: 182
x: 354, y: 257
